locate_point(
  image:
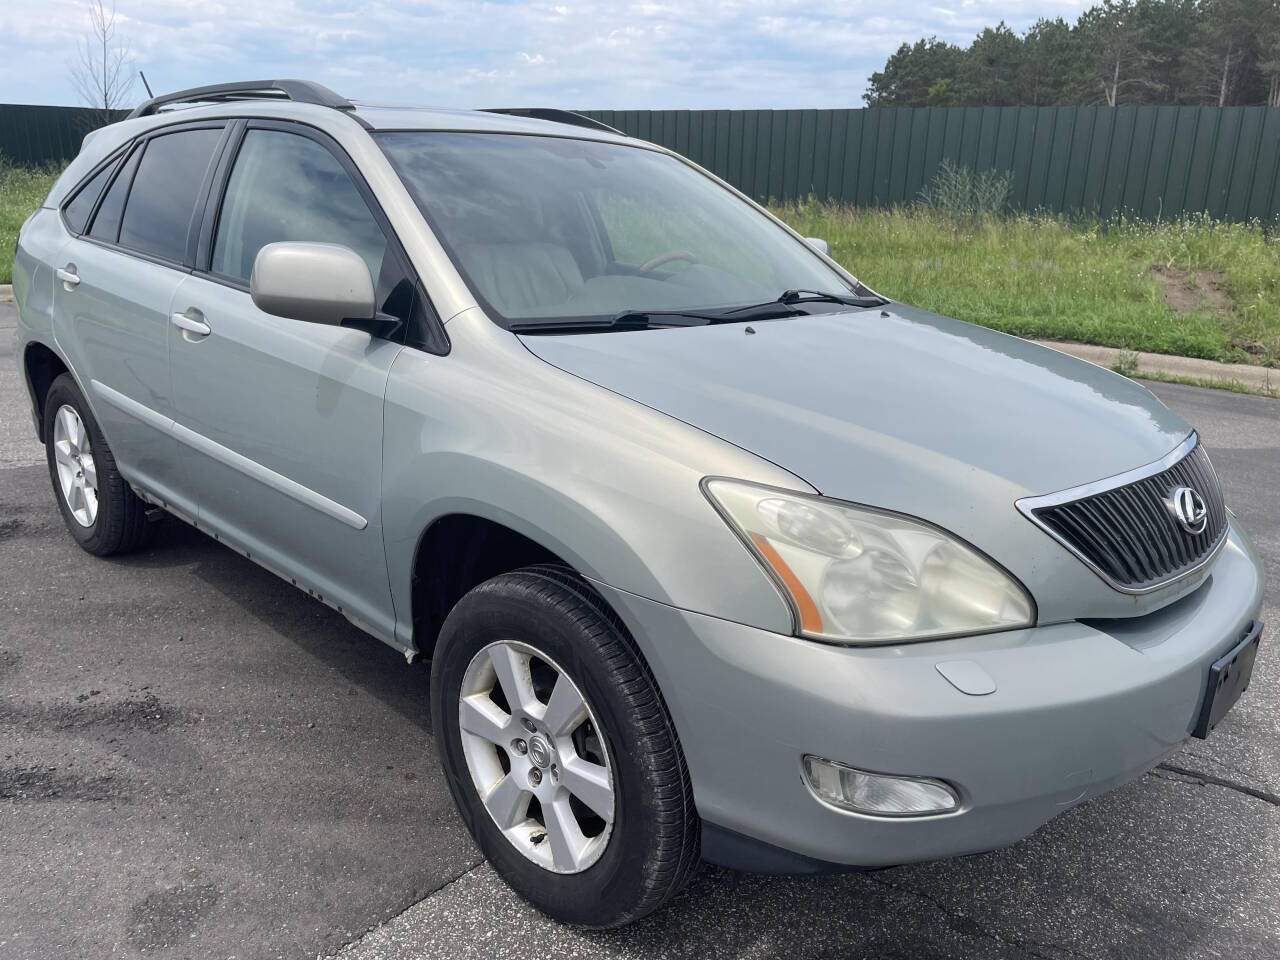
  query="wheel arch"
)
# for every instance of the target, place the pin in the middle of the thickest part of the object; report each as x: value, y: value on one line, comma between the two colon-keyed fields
x: 457, y: 551
x: 41, y: 365
x: 466, y: 542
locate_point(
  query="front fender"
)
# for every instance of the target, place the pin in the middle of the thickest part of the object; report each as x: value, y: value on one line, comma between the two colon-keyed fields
x: 607, y: 484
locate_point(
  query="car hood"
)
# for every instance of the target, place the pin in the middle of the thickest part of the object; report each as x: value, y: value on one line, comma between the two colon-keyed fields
x: 869, y: 405
x: 907, y: 411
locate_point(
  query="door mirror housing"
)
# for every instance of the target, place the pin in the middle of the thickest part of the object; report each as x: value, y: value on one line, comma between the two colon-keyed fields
x: 313, y: 282
x: 818, y: 244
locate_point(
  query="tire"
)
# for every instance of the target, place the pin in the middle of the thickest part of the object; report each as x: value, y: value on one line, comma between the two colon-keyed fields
x: 116, y: 522
x: 646, y: 854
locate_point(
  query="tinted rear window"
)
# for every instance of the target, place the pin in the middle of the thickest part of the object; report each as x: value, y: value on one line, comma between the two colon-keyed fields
x: 78, y: 210
x: 162, y: 202
x: 106, y: 223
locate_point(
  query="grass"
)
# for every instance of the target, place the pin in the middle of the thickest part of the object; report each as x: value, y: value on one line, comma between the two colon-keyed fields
x: 22, y: 189
x: 1040, y: 276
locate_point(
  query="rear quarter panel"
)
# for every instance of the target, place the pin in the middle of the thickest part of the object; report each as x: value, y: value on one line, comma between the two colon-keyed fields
x: 40, y: 241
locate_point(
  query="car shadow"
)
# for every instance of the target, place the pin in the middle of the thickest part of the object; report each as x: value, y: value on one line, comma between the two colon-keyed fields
x: 313, y: 628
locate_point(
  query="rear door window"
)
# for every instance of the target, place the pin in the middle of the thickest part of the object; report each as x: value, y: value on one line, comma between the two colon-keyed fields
x: 106, y: 222
x: 159, y: 212
x: 78, y: 210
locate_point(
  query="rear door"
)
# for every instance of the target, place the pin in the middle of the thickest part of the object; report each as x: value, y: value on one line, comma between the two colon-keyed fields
x: 135, y: 222
x: 280, y: 421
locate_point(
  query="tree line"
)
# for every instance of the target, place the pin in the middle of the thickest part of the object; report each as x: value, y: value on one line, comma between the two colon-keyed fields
x: 1210, y: 52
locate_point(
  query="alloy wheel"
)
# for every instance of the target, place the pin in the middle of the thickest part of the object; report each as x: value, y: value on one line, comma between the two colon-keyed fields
x: 537, y: 756
x: 77, y: 473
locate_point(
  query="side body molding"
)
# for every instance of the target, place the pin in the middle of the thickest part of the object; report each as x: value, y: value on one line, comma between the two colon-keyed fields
x: 251, y: 468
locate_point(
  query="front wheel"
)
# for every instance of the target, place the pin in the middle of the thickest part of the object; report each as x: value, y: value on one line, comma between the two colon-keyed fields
x: 559, y: 750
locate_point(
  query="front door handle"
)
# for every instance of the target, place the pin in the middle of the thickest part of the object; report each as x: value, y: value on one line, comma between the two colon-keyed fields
x: 68, y: 275
x: 191, y: 324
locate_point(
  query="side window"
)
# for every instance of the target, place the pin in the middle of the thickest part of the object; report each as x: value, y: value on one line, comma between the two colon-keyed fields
x: 157, y: 216
x: 81, y: 205
x: 106, y: 224
x: 288, y: 187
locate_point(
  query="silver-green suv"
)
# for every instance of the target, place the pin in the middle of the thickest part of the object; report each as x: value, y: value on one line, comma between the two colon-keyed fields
x: 712, y: 549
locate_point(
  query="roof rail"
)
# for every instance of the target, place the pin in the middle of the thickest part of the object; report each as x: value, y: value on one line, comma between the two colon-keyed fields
x: 556, y: 116
x: 299, y: 91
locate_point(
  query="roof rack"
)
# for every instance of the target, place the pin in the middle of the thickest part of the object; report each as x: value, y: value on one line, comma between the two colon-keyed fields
x: 556, y: 116
x: 299, y: 91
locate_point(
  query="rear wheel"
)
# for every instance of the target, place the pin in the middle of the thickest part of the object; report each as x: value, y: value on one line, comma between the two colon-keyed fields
x: 559, y: 750
x: 99, y: 508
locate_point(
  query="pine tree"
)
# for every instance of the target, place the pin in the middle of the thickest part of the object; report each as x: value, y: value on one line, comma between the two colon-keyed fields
x: 1222, y: 52
x: 911, y: 72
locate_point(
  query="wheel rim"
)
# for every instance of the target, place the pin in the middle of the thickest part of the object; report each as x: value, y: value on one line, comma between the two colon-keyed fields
x: 77, y: 473
x: 537, y: 756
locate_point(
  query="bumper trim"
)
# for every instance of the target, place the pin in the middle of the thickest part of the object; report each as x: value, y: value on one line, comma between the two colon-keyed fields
x: 736, y: 851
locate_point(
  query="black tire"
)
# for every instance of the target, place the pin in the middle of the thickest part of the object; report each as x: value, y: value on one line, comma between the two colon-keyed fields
x: 121, y: 522
x: 653, y: 848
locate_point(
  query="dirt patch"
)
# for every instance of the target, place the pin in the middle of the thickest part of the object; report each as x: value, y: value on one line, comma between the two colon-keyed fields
x: 143, y: 714
x: 1191, y: 291
x: 44, y: 784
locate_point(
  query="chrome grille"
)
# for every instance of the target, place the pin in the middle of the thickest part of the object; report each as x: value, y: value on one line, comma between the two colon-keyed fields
x: 1128, y: 532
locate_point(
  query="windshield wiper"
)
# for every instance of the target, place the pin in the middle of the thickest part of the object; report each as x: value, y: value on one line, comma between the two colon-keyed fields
x: 799, y: 297
x: 647, y: 319
x: 758, y: 311
x: 571, y: 326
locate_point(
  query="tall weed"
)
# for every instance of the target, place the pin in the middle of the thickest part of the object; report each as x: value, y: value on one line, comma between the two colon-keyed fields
x: 967, y: 194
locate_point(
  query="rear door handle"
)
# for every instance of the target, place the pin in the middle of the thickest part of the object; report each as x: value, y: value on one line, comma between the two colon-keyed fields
x: 192, y: 327
x: 68, y: 275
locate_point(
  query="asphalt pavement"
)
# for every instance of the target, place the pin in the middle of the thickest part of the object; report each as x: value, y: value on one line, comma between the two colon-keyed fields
x: 197, y: 760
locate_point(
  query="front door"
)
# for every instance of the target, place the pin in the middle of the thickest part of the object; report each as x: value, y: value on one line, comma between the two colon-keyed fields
x: 280, y: 421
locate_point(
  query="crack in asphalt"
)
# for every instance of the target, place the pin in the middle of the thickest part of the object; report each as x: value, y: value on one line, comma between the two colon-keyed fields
x: 1207, y: 758
x: 1207, y: 779
x: 964, y: 924
x: 350, y: 944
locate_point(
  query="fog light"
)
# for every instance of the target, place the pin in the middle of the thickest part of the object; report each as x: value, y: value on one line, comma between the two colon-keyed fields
x: 876, y: 793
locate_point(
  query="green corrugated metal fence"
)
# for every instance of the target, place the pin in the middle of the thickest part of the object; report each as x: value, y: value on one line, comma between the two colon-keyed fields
x: 31, y: 135
x: 1144, y: 161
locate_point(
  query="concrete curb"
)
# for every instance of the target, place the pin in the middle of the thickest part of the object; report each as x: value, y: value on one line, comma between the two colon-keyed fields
x: 1263, y: 380
x: 6, y: 292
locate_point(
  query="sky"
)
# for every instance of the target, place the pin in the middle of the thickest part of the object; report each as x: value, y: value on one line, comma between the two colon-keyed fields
x: 575, y: 54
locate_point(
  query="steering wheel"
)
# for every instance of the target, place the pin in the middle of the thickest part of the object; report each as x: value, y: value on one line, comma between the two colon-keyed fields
x: 650, y: 265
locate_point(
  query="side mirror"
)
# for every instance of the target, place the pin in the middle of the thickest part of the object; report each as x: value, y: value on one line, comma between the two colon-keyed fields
x: 818, y: 244
x: 314, y: 282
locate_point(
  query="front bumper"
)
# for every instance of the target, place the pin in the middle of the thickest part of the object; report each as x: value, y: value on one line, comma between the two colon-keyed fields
x: 1079, y: 708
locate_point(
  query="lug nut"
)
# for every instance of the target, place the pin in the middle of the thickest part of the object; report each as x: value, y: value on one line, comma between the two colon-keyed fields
x: 528, y: 725
x: 555, y: 773
x: 520, y: 747
x: 535, y: 776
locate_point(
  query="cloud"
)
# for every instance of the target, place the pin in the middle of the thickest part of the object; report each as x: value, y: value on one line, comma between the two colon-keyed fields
x: 583, y: 54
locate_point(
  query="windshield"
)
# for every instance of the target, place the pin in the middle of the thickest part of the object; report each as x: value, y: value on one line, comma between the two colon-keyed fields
x: 548, y: 228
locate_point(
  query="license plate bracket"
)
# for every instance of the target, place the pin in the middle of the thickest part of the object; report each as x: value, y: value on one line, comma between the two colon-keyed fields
x: 1228, y: 679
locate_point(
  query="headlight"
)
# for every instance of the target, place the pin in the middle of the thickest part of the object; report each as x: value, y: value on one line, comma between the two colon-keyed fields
x: 859, y: 575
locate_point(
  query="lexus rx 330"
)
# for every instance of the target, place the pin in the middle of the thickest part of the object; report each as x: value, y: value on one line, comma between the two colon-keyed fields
x: 713, y: 551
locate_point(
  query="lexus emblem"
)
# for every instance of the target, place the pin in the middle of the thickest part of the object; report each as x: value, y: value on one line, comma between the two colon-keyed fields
x: 1190, y: 509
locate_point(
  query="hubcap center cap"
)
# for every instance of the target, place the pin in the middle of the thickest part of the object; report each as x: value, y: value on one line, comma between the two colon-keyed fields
x: 539, y: 752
